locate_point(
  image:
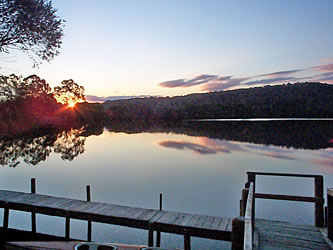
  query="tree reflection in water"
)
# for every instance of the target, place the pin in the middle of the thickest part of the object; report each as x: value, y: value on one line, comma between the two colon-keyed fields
x: 34, y: 149
x: 70, y: 144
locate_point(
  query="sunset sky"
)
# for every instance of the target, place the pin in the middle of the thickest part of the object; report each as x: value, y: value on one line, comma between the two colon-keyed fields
x: 176, y: 47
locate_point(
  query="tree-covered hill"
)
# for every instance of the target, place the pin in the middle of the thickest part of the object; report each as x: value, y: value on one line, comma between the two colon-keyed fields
x: 309, y: 99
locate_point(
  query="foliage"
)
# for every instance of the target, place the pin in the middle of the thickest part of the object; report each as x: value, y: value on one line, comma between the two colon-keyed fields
x: 310, y: 100
x: 31, y: 26
x: 15, y: 87
x: 69, y: 92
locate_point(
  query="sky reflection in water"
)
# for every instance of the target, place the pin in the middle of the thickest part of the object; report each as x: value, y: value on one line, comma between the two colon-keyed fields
x: 196, y: 174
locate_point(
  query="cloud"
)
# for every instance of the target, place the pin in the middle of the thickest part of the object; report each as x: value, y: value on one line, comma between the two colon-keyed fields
x: 282, y: 73
x: 217, y: 83
x: 173, y: 83
x: 188, y: 83
x: 222, y: 85
x: 324, y: 68
x: 271, y: 80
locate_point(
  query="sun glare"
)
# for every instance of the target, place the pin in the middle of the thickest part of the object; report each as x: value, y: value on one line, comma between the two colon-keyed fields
x: 71, y: 105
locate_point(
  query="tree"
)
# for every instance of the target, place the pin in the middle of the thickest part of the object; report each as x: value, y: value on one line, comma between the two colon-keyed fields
x: 14, y: 87
x: 31, y: 26
x: 69, y: 93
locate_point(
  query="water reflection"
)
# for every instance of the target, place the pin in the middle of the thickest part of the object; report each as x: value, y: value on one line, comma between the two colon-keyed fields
x: 290, y: 134
x: 260, y: 138
x: 70, y: 144
x: 33, y: 149
x: 204, y: 146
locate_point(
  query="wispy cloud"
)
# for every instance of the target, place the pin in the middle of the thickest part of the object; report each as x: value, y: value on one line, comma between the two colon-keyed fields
x: 322, y: 73
x: 271, y: 80
x: 222, y: 85
x: 188, y: 83
x: 282, y: 73
x: 324, y: 68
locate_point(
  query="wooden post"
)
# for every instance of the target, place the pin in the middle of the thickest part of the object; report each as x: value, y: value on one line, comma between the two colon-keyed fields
x: 151, y: 234
x: 245, y: 193
x: 89, y: 222
x: 330, y: 213
x: 67, y: 230
x: 33, y: 215
x: 237, y: 234
x: 187, y: 240
x: 251, y: 177
x: 319, y: 206
x: 6, y: 218
x: 158, y: 233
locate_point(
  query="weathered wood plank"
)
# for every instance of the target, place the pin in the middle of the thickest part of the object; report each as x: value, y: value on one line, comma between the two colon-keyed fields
x: 308, y: 244
x: 168, y: 217
x: 291, y: 233
x: 224, y: 224
x: 285, y: 224
x: 192, y: 221
x: 216, y: 223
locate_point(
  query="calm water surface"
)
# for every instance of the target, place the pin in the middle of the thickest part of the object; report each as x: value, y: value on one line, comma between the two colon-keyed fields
x: 200, y: 167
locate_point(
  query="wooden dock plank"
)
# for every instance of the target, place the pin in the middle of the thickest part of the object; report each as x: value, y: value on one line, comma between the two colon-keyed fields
x: 291, y: 233
x: 307, y: 244
x: 216, y: 223
x: 284, y: 235
x: 192, y: 221
x: 285, y: 224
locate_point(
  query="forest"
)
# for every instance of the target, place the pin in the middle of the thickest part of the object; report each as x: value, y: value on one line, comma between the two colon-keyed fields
x: 299, y: 100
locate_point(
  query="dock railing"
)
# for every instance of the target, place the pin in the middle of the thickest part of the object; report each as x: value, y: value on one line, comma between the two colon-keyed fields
x: 318, y: 198
x: 243, y: 227
x: 248, y: 220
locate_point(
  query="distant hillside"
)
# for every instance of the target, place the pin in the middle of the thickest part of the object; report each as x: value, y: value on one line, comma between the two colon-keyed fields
x: 309, y: 99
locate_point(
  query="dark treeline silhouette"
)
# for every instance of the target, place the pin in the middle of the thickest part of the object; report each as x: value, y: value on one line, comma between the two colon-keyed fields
x: 311, y: 100
x: 36, y: 147
x: 291, y: 134
x: 29, y: 104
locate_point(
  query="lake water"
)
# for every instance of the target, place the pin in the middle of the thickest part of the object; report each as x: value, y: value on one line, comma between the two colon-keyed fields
x: 199, y: 167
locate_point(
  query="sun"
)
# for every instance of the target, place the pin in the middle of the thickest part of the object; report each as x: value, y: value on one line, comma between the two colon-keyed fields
x: 71, y: 104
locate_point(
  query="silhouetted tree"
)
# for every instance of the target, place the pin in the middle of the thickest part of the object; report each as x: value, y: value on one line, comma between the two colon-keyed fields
x: 69, y: 92
x: 31, y: 26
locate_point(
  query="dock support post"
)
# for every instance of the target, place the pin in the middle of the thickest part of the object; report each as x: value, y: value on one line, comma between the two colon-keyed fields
x: 245, y: 193
x: 187, y: 240
x: 6, y: 218
x: 67, y: 230
x: 151, y: 234
x: 237, y: 234
x: 158, y: 233
x: 330, y: 213
x: 319, y: 206
x: 33, y: 215
x: 89, y: 222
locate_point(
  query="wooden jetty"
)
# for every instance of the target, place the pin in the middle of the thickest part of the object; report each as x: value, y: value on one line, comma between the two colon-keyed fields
x: 211, y: 227
x: 245, y: 232
x: 252, y: 233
